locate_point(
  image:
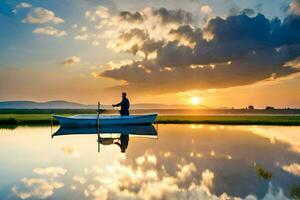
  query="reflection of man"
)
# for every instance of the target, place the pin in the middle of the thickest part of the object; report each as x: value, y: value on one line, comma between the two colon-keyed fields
x: 123, y: 144
x: 124, y: 105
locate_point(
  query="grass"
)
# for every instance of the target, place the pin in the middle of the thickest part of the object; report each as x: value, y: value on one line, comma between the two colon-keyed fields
x: 231, y: 120
x: 45, y: 119
x: 295, y: 192
x: 263, y: 173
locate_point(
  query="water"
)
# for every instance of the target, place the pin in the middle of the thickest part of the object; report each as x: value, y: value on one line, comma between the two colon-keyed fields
x: 181, y: 162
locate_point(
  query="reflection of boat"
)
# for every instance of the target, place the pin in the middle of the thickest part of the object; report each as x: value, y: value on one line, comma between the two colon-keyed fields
x: 127, y: 130
x: 121, y: 139
x: 91, y: 120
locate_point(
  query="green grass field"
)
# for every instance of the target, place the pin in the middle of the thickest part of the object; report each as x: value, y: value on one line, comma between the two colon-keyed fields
x: 45, y: 119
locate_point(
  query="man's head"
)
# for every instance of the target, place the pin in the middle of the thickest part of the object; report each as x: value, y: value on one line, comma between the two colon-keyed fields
x: 124, y: 94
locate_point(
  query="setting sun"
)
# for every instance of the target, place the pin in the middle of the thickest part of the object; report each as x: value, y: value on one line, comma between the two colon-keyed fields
x: 196, y: 100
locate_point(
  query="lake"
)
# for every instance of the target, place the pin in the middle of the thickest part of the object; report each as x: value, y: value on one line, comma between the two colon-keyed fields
x: 179, y: 162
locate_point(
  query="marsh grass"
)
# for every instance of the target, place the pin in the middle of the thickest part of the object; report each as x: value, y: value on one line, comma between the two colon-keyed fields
x: 263, y: 173
x: 45, y: 119
x: 295, y: 192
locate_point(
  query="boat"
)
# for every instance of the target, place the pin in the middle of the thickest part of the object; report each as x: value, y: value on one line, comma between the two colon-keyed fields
x: 91, y: 120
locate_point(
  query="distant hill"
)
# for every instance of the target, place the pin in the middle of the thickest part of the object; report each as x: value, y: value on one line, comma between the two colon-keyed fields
x: 44, y: 105
x: 74, y: 105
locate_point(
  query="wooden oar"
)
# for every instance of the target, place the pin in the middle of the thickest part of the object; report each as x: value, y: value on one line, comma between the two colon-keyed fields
x: 98, y: 126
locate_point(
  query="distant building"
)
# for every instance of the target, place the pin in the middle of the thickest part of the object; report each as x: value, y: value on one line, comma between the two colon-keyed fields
x: 270, y: 108
x: 251, y: 107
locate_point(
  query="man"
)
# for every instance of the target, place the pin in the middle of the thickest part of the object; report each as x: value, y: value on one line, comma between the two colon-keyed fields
x: 124, y: 105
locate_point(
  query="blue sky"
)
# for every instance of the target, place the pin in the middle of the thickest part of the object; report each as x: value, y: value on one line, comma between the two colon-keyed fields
x: 56, y: 49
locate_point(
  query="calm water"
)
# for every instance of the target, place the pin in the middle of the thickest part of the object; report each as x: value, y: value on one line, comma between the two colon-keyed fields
x: 180, y: 162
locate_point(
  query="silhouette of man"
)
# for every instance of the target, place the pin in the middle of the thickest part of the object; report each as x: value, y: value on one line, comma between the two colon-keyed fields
x: 123, y: 144
x: 124, y: 105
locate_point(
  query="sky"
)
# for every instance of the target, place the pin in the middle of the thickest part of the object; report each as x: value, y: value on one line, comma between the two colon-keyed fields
x: 217, y: 53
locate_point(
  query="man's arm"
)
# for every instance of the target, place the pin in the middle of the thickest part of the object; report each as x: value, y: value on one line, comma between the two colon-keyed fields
x: 119, y: 104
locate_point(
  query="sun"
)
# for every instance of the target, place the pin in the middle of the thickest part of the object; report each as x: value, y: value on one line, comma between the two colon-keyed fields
x: 196, y: 100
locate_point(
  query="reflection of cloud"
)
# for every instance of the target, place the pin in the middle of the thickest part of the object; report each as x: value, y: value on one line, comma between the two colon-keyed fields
x: 79, y: 179
x: 167, y: 154
x: 40, y: 187
x: 207, y: 178
x: 53, y: 172
x: 151, y: 159
x: 37, y: 188
x: 289, y: 135
x: 73, y: 187
x: 186, y: 171
x: 70, y: 151
x: 293, y: 168
x: 122, y: 181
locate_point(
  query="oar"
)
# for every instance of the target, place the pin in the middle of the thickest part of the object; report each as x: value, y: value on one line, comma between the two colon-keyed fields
x: 98, y: 126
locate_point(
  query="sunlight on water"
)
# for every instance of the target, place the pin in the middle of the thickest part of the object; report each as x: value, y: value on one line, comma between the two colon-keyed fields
x: 183, y: 162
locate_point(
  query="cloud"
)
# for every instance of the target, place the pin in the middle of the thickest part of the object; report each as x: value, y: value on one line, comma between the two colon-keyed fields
x: 53, y: 172
x: 293, y: 168
x: 294, y: 7
x: 49, y: 30
x: 40, y: 16
x: 23, y: 5
x: 248, y: 11
x: 206, y: 9
x: 72, y: 60
x: 241, y: 50
x: 99, y: 12
x: 293, y: 63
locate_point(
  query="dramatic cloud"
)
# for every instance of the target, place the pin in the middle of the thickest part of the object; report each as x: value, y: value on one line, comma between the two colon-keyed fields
x: 49, y: 30
x: 235, y: 51
x: 40, y: 16
x: 72, y: 60
x: 206, y: 9
x: 294, y: 7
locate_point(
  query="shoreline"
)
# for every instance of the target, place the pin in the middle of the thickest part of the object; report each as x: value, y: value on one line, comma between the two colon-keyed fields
x: 282, y: 120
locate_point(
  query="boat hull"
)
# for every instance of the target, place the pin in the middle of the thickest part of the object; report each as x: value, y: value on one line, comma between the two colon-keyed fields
x: 91, y: 120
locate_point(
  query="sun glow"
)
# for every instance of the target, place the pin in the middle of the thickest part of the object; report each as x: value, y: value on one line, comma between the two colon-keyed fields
x: 196, y: 100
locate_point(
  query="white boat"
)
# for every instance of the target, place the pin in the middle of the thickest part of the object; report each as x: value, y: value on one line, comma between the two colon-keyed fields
x: 104, y: 120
